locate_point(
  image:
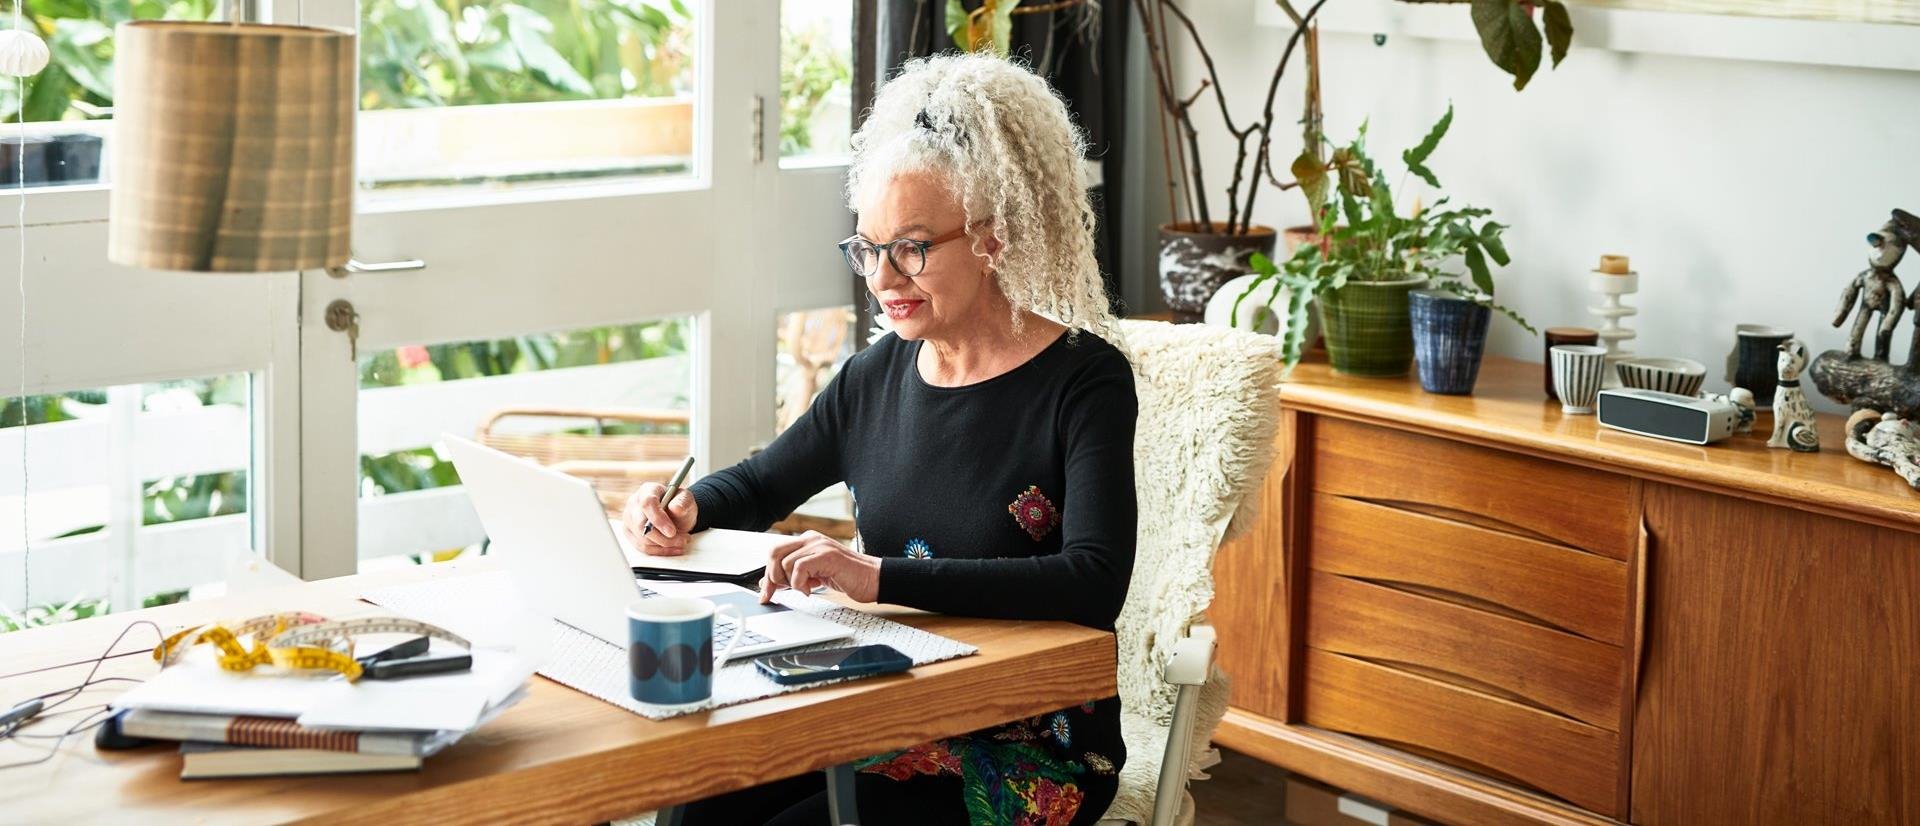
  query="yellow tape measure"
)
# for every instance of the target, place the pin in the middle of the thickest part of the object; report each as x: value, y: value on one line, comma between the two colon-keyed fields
x: 296, y: 641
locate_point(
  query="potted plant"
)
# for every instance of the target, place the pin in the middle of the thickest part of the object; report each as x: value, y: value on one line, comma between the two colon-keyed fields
x: 1203, y: 248
x: 1375, y: 259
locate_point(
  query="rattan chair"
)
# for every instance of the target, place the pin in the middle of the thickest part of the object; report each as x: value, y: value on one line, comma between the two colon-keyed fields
x: 615, y: 464
x: 618, y: 464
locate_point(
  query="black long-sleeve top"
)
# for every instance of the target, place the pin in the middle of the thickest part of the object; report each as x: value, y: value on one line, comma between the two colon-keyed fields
x: 1008, y: 498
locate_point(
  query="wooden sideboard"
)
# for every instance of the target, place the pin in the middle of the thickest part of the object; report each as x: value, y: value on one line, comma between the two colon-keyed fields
x: 1482, y: 611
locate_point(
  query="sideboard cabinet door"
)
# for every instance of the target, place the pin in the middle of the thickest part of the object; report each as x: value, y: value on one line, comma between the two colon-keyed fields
x: 1781, y: 681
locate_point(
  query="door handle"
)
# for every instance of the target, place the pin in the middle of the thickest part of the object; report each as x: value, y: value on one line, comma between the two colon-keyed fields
x: 355, y: 265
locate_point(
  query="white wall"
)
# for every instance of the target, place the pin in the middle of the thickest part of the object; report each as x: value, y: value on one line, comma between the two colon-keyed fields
x: 1743, y: 190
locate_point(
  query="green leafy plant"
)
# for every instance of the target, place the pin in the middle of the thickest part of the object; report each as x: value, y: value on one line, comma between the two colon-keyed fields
x: 423, y: 53
x: 413, y: 53
x: 1511, y: 36
x: 1366, y: 239
x: 987, y: 27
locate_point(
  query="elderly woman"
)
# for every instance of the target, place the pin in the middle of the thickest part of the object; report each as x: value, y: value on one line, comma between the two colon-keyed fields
x: 988, y: 441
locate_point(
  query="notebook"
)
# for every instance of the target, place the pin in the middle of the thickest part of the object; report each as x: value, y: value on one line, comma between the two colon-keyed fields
x: 202, y: 761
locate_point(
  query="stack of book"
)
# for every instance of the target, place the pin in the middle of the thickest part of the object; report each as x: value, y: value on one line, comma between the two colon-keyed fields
x: 213, y: 745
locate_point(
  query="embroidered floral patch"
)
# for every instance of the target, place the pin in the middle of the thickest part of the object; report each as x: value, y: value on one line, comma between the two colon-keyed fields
x: 1098, y: 762
x: 918, y: 548
x: 1034, y: 513
x: 1061, y: 730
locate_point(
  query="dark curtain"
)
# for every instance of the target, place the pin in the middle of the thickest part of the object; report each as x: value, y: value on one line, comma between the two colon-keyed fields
x: 1089, y: 72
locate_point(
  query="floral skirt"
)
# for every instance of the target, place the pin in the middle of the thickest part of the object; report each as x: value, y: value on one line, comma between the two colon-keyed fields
x: 1055, y: 769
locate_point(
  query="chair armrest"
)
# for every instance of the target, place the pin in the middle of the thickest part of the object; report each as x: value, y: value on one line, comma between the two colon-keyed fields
x: 605, y: 414
x: 1192, y: 657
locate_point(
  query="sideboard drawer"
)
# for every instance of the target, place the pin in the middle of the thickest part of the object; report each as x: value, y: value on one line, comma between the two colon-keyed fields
x: 1511, y: 492
x: 1559, y: 756
x: 1554, y: 585
x: 1520, y: 661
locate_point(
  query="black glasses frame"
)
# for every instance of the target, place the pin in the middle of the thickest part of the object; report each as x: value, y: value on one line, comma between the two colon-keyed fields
x: 894, y: 251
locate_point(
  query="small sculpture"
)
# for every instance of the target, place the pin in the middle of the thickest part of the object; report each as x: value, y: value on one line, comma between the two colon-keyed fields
x: 1792, y: 415
x: 1886, y: 439
x: 1742, y: 399
x: 1874, y: 383
x: 1877, y: 289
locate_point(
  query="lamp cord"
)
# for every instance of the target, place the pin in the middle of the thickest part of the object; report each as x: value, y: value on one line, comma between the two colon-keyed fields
x: 20, y: 178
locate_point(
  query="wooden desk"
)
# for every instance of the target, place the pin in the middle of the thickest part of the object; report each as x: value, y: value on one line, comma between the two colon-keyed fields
x: 1484, y: 611
x: 558, y: 756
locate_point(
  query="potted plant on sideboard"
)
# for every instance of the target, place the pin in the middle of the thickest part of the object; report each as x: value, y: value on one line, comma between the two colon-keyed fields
x: 1202, y: 248
x: 1374, y: 259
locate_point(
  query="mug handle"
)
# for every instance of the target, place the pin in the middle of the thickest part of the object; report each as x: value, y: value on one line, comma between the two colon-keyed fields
x: 739, y: 631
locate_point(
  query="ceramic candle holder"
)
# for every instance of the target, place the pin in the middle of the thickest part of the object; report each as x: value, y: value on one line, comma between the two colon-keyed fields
x: 1611, y: 335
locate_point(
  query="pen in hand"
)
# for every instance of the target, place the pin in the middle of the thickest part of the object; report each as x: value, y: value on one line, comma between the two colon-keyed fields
x: 673, y: 488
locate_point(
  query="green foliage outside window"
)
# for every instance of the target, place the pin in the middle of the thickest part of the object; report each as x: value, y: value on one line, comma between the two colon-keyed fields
x: 811, y: 66
x: 421, y: 53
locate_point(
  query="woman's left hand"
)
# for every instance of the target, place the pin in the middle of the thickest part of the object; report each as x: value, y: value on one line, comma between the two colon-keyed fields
x: 813, y: 559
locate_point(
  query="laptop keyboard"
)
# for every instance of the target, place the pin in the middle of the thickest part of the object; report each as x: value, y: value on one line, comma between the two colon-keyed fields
x: 723, y: 629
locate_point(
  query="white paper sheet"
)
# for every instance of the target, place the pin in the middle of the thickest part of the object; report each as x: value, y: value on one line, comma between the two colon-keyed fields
x: 509, y: 641
x: 713, y: 551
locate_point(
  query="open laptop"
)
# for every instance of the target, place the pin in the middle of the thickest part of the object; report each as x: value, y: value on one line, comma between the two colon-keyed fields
x: 554, y: 535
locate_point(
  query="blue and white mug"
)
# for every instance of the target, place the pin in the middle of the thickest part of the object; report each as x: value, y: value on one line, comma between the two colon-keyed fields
x: 670, y: 650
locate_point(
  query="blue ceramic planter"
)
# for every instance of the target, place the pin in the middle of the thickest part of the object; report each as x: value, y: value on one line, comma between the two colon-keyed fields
x: 1449, y: 336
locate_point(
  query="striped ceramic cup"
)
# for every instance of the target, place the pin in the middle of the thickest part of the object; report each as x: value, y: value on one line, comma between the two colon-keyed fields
x: 1577, y: 373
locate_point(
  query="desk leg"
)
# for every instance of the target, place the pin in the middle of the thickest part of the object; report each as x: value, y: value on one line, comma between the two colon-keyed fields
x: 669, y: 815
x: 840, y: 805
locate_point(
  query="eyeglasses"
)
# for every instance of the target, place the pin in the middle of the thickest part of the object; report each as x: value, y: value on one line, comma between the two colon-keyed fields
x: 907, y: 255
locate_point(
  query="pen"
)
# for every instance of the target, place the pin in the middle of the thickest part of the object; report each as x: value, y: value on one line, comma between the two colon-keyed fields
x: 673, y: 487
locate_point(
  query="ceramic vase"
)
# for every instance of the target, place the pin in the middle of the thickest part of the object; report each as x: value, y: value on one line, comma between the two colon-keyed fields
x: 1367, y: 327
x: 1196, y: 260
x: 1756, y: 356
x: 1449, y: 337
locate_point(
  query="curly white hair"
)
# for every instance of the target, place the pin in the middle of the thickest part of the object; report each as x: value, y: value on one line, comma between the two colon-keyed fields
x: 1002, y: 140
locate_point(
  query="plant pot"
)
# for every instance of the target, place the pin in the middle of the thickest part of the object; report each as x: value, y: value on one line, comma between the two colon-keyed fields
x: 1366, y: 326
x: 1300, y: 236
x: 1195, y: 260
x: 24, y: 157
x: 74, y: 159
x: 1449, y: 337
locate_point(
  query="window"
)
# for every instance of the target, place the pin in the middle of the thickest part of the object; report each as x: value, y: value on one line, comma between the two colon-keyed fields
x: 810, y: 348
x: 816, y: 81
x: 497, y: 93
x: 412, y: 509
x: 67, y: 106
x: 137, y: 493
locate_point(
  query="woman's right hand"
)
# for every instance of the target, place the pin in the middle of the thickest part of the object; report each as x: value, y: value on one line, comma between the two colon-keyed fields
x: 671, y: 523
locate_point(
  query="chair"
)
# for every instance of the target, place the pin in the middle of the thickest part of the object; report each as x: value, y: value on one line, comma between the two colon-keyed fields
x: 1209, y: 408
x: 616, y: 465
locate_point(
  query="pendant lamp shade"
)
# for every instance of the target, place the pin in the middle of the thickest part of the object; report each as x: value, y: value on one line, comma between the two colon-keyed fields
x: 232, y: 148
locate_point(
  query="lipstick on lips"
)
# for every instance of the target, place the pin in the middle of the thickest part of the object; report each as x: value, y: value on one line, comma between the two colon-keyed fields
x: 902, y: 307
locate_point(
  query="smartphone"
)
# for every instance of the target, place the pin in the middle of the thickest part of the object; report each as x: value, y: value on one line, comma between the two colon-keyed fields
x: 812, y: 666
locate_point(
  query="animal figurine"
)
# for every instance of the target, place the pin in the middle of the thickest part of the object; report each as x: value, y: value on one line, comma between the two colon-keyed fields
x: 1877, y: 289
x: 1886, y: 439
x: 1742, y: 399
x: 1792, y: 415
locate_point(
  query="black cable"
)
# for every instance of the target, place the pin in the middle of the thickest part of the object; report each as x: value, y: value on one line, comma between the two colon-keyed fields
x: 100, y: 713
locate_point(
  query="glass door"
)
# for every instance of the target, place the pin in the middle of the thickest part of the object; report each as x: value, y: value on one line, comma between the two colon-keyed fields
x: 593, y: 194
